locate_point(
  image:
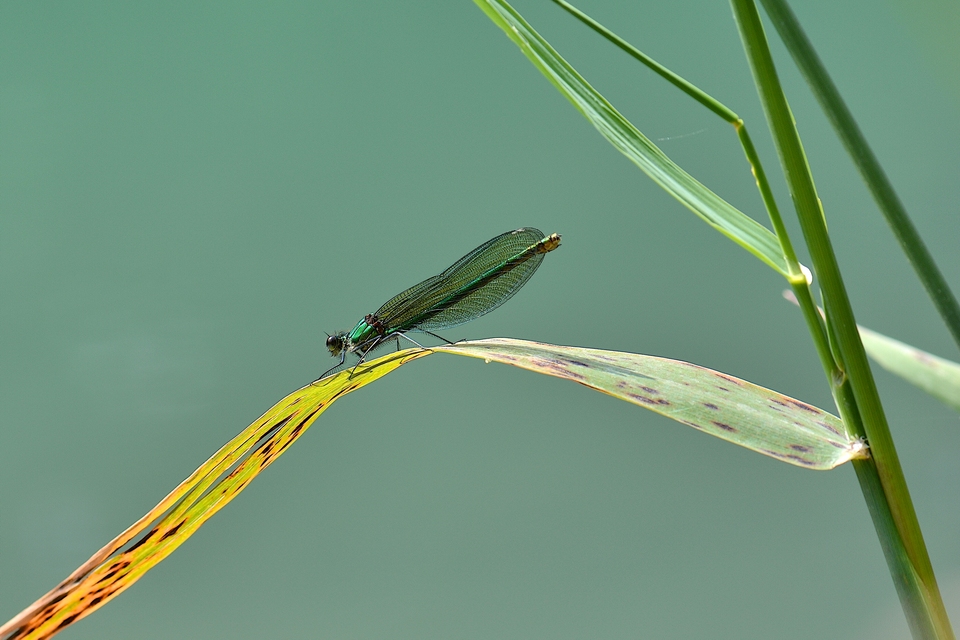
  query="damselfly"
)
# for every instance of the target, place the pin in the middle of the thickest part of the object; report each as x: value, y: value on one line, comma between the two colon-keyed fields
x: 476, y: 284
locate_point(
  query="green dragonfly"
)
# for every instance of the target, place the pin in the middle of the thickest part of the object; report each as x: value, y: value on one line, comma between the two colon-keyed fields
x: 476, y: 284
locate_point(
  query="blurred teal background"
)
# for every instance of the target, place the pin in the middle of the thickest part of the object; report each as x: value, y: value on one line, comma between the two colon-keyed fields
x: 191, y: 194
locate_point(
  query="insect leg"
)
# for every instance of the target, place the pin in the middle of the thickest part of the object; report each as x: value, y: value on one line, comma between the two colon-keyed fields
x: 343, y: 354
x: 373, y: 345
x: 430, y: 333
x: 409, y: 339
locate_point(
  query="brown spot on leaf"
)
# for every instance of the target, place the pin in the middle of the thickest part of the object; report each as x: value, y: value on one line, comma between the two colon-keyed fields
x: 141, y: 540
x: 556, y: 368
x: 789, y: 456
x: 710, y: 405
x: 640, y: 398
x: 108, y: 575
x: 730, y: 379
x: 67, y: 621
x: 828, y: 427
x: 724, y: 426
x: 804, y: 406
x: 172, y: 531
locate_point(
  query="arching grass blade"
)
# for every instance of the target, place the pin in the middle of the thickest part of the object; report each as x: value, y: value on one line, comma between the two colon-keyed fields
x: 716, y: 403
x: 627, y: 139
x: 158, y: 533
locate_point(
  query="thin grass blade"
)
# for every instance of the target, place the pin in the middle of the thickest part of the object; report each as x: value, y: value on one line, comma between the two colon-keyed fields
x: 880, y: 186
x: 856, y: 391
x: 627, y: 139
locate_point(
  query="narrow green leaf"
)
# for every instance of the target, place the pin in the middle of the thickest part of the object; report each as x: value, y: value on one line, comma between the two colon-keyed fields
x: 627, y: 139
x: 840, y: 116
x: 856, y: 392
x: 937, y: 376
x: 724, y: 406
x: 705, y: 99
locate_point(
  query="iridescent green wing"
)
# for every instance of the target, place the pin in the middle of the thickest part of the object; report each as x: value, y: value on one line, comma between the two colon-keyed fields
x: 485, y: 289
x: 476, y: 284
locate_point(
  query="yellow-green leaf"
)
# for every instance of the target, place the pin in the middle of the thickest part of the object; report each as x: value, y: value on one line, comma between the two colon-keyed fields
x: 158, y: 533
x: 713, y: 402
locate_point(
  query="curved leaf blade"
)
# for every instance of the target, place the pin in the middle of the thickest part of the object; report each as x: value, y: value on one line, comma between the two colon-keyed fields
x: 937, y: 376
x: 626, y: 138
x: 158, y: 533
x: 724, y: 406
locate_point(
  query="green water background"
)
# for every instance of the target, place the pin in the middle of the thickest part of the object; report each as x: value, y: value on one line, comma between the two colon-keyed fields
x: 190, y: 195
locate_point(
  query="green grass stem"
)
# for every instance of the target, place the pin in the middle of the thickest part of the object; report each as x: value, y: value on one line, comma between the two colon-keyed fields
x: 884, y: 485
x: 794, y: 275
x: 881, y: 188
x: 626, y: 138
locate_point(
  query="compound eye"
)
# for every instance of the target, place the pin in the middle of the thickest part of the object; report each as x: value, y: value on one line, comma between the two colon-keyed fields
x: 333, y: 342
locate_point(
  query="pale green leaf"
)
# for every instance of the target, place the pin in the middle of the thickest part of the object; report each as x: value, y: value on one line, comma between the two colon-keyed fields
x: 716, y: 403
x: 937, y: 376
